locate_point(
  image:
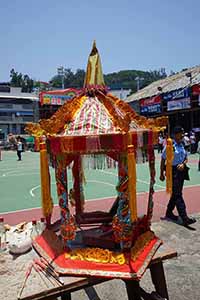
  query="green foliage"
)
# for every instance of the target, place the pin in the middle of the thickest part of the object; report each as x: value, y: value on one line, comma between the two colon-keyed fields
x: 123, y: 79
x: 71, y: 80
x: 20, y: 80
x: 126, y: 79
x: 56, y: 81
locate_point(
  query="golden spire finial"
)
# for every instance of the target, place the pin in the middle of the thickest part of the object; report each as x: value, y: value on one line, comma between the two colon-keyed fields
x: 94, y: 74
x: 94, y: 44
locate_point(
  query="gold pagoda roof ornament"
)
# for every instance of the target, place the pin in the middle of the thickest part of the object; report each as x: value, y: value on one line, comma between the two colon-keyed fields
x: 73, y: 119
x: 94, y: 74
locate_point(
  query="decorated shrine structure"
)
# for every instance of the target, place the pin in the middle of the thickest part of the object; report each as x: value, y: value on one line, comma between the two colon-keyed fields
x: 101, y: 129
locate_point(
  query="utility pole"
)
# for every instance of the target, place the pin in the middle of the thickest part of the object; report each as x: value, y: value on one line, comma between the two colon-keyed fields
x: 61, y: 72
x: 138, y: 80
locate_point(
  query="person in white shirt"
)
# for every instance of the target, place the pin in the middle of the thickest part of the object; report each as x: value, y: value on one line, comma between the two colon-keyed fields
x: 160, y: 143
x: 193, y: 143
x: 186, y: 141
x: 19, y: 148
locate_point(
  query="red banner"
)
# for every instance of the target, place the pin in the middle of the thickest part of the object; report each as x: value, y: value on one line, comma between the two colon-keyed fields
x: 196, y: 89
x: 150, y: 101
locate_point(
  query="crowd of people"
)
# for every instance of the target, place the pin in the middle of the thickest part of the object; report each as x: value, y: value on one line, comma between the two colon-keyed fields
x: 190, y: 142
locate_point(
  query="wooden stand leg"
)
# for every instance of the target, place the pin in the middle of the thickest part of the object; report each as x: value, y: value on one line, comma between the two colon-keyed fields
x: 158, y: 279
x: 91, y: 293
x: 66, y: 296
x: 133, y: 289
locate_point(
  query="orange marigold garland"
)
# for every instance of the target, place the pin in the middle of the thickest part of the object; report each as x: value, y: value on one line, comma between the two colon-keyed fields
x: 65, y: 114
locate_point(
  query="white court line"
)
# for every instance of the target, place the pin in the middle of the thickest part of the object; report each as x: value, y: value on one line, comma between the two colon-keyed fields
x: 53, y: 183
x: 10, y: 172
x: 110, y: 173
x: 96, y: 199
x: 55, y: 205
x: 142, y: 181
x: 35, y: 188
x: 106, y: 183
x: 6, y: 169
x: 20, y: 174
x: 161, y: 186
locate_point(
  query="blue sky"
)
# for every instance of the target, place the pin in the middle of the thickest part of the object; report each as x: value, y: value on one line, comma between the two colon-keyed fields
x: 38, y: 36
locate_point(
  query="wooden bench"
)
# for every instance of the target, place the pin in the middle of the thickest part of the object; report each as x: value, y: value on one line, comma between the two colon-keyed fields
x: 134, y: 291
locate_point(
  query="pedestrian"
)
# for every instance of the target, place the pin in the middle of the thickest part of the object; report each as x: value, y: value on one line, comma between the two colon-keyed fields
x: 198, y: 151
x: 179, y: 169
x: 19, y: 148
x: 192, y: 143
x: 165, y: 137
x: 160, y: 142
x: 186, y: 142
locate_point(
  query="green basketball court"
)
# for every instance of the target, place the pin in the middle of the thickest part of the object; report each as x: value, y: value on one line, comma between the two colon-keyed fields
x: 20, y: 181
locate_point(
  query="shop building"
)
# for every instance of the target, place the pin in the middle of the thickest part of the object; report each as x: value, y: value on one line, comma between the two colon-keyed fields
x: 177, y: 97
x: 16, y: 109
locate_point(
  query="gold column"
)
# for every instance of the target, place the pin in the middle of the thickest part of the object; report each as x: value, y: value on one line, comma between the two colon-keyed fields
x: 132, y: 182
x: 47, y: 203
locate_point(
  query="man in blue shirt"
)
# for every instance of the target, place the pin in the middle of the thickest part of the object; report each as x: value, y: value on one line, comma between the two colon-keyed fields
x: 178, y: 176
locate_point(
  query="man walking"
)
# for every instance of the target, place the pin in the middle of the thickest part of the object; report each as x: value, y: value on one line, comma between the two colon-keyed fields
x: 178, y: 176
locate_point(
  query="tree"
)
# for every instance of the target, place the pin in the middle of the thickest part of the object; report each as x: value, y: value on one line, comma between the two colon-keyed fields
x: 16, y: 78
x: 27, y: 84
x: 23, y: 81
x: 123, y: 79
x: 78, y: 79
x: 56, y: 81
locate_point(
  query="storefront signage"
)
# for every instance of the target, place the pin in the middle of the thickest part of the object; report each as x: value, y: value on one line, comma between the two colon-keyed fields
x: 56, y: 99
x: 178, y: 104
x: 196, y: 92
x: 150, y: 105
x: 177, y: 94
x: 152, y: 109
